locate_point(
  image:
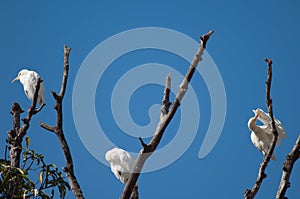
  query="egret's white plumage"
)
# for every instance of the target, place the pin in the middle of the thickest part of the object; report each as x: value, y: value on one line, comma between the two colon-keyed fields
x: 121, y: 163
x: 29, y: 81
x: 261, y: 136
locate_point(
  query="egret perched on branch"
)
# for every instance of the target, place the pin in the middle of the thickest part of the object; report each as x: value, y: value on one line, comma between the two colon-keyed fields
x: 121, y: 163
x: 29, y: 80
x: 261, y: 136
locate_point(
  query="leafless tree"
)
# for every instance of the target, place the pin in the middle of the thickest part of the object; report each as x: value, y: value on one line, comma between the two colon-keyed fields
x: 168, y: 110
x: 58, y: 129
x: 290, y: 159
x: 165, y: 117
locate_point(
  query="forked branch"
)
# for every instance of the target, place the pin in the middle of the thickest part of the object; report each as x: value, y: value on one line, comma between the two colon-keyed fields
x: 58, y: 129
x: 291, y: 158
x: 249, y: 194
x: 165, y: 118
x: 15, y: 136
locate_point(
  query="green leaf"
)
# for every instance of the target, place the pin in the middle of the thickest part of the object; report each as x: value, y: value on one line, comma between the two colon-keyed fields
x: 62, y: 191
x: 41, y: 176
x: 21, y: 171
x: 27, y: 141
x: 43, y: 195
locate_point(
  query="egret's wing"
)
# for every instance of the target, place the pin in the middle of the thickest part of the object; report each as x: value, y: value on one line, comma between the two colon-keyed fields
x: 33, y: 78
x: 30, y: 84
x: 121, y: 163
x: 127, y: 161
x: 255, y: 141
x: 41, y: 99
x: 266, y: 120
x: 280, y: 129
x: 113, y: 157
x: 263, y: 117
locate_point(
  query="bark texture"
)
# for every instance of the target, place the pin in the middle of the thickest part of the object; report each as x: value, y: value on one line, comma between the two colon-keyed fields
x: 291, y: 158
x: 58, y: 129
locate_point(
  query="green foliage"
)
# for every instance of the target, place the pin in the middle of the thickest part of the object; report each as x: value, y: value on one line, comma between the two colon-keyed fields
x: 35, y: 178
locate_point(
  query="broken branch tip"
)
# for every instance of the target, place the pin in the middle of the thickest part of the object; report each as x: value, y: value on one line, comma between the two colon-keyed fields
x: 268, y: 60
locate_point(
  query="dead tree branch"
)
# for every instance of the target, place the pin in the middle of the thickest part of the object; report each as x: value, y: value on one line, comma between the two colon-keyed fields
x: 135, y: 193
x: 16, y: 135
x: 166, y: 100
x: 249, y: 194
x: 58, y: 129
x: 165, y: 118
x: 291, y: 158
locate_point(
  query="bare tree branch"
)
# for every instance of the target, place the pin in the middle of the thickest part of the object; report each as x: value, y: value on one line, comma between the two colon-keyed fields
x: 16, y: 135
x: 135, y: 193
x: 249, y: 194
x: 291, y: 158
x: 166, y: 100
x: 165, y: 118
x: 66, y: 71
x: 58, y: 129
x: 49, y: 128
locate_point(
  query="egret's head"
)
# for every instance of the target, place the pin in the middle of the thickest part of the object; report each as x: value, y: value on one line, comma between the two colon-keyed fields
x: 257, y: 113
x: 252, y: 120
x: 21, y: 73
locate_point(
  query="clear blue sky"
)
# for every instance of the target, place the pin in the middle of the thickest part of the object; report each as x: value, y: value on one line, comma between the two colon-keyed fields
x: 33, y: 34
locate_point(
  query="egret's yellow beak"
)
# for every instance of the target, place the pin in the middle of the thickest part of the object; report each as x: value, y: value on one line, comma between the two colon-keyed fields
x: 257, y: 113
x: 17, y: 78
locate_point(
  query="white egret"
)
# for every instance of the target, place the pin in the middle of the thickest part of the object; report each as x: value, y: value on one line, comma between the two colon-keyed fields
x: 121, y: 163
x: 261, y: 136
x: 29, y: 80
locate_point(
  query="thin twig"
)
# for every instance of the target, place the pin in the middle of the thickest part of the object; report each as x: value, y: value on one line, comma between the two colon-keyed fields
x: 143, y: 143
x: 249, y: 194
x: 47, y: 127
x: 58, y: 129
x: 291, y: 158
x: 66, y: 71
x: 164, y: 119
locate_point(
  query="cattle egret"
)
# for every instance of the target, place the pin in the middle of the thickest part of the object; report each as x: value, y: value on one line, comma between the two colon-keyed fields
x: 121, y: 163
x: 29, y: 80
x: 261, y: 136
